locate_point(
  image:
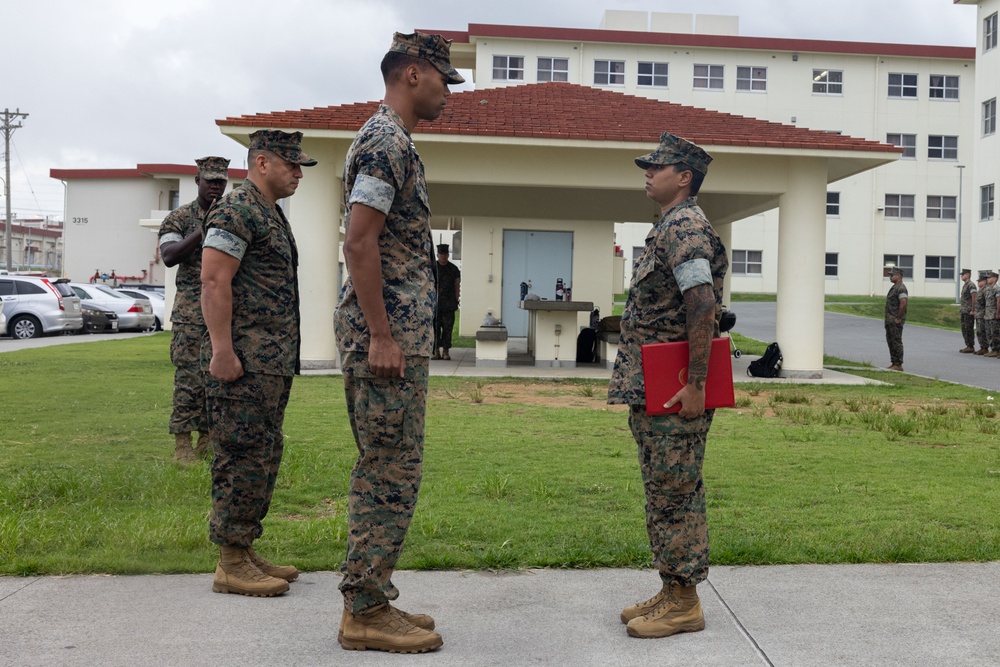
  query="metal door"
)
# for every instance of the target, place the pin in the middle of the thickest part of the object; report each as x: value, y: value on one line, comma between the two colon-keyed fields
x: 536, y: 258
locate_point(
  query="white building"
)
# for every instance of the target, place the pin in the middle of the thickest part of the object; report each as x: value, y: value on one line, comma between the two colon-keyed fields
x: 36, y: 245
x: 104, y: 208
x: 920, y: 97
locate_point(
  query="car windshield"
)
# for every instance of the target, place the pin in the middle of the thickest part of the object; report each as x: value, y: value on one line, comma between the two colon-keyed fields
x: 107, y: 290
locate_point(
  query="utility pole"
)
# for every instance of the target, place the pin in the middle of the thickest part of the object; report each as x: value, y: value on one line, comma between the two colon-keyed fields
x: 8, y: 128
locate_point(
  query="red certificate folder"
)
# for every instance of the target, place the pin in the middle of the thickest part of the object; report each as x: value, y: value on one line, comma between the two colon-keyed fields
x: 665, y: 366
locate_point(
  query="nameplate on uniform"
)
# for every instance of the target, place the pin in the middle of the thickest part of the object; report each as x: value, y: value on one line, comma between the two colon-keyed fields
x: 665, y: 370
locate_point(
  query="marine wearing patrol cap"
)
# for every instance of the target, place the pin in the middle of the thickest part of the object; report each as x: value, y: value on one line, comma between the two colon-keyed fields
x: 286, y: 145
x: 443, y: 249
x: 674, y: 150
x: 435, y: 49
x: 966, y: 271
x: 895, y: 270
x: 213, y: 168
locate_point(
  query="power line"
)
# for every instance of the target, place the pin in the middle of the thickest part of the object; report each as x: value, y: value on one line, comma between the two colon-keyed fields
x: 8, y: 127
x: 26, y: 179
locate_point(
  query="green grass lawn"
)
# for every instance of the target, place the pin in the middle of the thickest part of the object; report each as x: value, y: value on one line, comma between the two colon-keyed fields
x: 518, y: 473
x: 941, y: 313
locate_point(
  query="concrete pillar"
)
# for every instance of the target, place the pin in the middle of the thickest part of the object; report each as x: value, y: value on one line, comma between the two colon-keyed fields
x: 801, y: 258
x: 314, y: 214
x: 725, y: 233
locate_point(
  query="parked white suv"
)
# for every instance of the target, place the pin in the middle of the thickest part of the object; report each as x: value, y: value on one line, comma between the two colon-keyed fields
x: 36, y: 306
x: 133, y: 314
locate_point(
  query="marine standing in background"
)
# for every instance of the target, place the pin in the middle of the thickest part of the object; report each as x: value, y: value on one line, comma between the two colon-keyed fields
x: 180, y: 238
x: 967, y: 306
x: 981, y: 333
x: 250, y: 298
x: 449, y: 284
x: 990, y: 313
x: 385, y: 332
x: 675, y: 295
x: 895, y: 318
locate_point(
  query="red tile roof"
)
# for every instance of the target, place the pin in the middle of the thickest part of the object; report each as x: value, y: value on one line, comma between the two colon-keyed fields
x: 573, y: 112
x: 141, y: 171
x: 708, y: 41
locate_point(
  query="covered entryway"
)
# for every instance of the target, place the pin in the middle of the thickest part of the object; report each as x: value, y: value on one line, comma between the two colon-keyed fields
x: 537, y: 259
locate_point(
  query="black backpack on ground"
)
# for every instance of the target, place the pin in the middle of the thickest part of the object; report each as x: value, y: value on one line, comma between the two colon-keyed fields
x: 768, y: 365
x: 586, y: 346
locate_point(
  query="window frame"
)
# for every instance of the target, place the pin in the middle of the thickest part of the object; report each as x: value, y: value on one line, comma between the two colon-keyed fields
x: 744, y: 261
x: 610, y: 73
x: 943, y: 91
x: 551, y: 69
x: 942, y: 271
x: 895, y: 209
x: 987, y: 201
x: 506, y: 68
x: 902, y: 87
x: 938, y: 210
x: 989, y: 127
x: 749, y: 79
x: 652, y: 75
x: 834, y: 265
x: 902, y: 262
x: 709, y: 77
x: 946, y: 152
x: 833, y: 204
x: 990, y: 32
x: 822, y: 79
x: 909, y: 149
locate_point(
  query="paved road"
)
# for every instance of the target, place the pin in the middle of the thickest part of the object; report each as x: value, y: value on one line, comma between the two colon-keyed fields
x: 13, y: 344
x: 928, y: 352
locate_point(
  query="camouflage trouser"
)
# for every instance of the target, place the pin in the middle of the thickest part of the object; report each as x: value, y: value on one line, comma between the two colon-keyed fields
x: 981, y: 334
x: 190, y: 406
x: 993, y: 334
x: 246, y: 418
x: 671, y: 465
x: 443, y: 325
x: 387, y: 417
x: 894, y: 338
x: 968, y: 330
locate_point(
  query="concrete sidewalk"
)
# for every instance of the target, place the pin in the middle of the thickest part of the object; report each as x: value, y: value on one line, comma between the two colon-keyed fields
x: 879, y: 615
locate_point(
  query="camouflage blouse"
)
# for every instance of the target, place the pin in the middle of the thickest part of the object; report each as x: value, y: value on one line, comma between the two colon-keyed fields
x: 178, y: 225
x: 245, y: 225
x: 384, y: 171
x: 682, y: 251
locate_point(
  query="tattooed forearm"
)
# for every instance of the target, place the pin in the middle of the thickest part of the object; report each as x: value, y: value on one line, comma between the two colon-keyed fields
x: 699, y: 303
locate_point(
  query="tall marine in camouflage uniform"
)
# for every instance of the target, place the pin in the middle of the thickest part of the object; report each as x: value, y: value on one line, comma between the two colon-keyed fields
x: 250, y: 298
x: 991, y: 308
x: 981, y: 335
x: 967, y: 307
x: 181, y: 234
x: 895, y: 318
x: 675, y: 295
x: 384, y: 325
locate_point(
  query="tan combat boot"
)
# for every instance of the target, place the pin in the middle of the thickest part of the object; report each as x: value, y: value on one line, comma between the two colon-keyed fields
x: 643, y: 608
x: 446, y: 356
x: 204, y: 449
x: 423, y: 621
x: 182, y: 448
x: 384, y: 628
x: 286, y: 572
x: 679, y: 611
x: 437, y: 354
x: 236, y: 573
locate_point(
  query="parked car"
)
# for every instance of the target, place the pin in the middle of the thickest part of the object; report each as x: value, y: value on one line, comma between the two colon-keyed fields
x: 145, y: 287
x: 98, y: 320
x: 36, y: 306
x: 133, y: 314
x: 3, y: 323
x: 156, y: 300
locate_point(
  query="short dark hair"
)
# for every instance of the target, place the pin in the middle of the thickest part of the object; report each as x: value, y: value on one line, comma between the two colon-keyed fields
x: 395, y: 62
x: 697, y: 178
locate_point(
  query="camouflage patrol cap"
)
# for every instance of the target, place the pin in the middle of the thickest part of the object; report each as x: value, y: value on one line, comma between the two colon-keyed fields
x: 433, y: 48
x: 286, y: 145
x: 895, y: 270
x: 674, y: 150
x: 964, y: 271
x: 213, y: 168
x: 993, y: 274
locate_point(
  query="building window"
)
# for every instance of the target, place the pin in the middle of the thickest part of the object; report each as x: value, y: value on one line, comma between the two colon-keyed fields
x: 986, y: 202
x: 904, y: 262
x: 903, y: 85
x: 990, y: 32
x: 899, y: 206
x: 708, y: 76
x: 508, y: 68
x: 831, y: 264
x: 832, y: 204
x: 751, y: 78
x: 174, y: 199
x: 944, y: 87
x: 990, y: 117
x: 553, y: 69
x: 908, y: 142
x: 653, y: 74
x: 942, y: 148
x: 747, y: 262
x: 939, y: 268
x: 941, y: 207
x: 609, y: 72
x: 828, y: 82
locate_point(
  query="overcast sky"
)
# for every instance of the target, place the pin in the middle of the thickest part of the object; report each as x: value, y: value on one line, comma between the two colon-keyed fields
x: 113, y: 83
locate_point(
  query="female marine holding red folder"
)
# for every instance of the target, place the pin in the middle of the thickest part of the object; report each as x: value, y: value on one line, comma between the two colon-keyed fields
x: 675, y: 295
